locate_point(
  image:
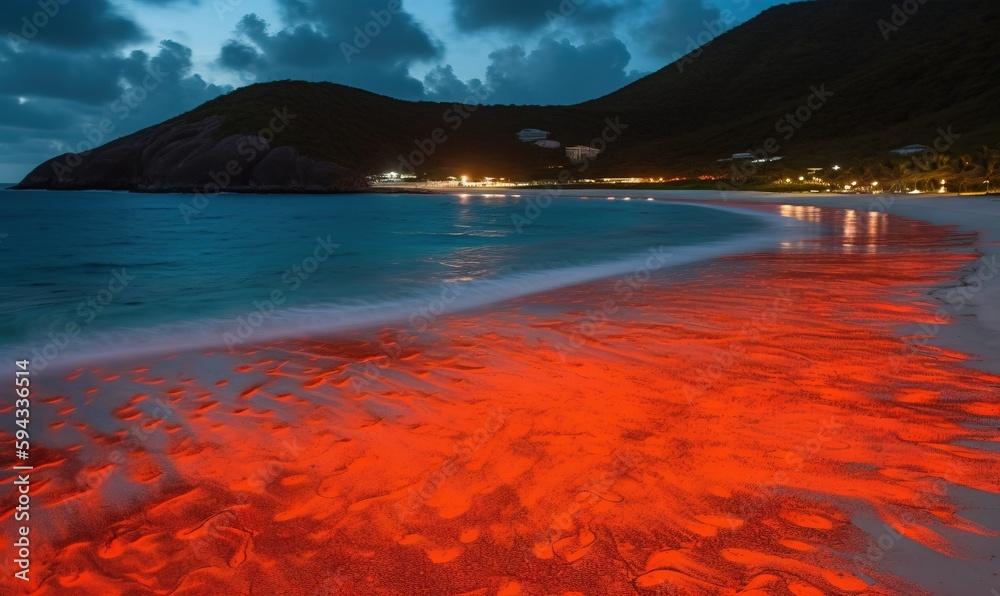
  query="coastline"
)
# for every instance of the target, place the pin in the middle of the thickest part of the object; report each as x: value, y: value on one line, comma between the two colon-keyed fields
x: 969, y: 323
x: 967, y: 320
x: 580, y: 438
x: 974, y: 325
x: 973, y: 329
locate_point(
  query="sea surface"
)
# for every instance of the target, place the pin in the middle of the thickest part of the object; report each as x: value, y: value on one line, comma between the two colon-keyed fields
x: 94, y: 274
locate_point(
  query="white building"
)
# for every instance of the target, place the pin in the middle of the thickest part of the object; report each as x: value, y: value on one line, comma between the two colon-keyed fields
x: 581, y: 152
x: 750, y: 157
x: 530, y: 135
x: 910, y: 149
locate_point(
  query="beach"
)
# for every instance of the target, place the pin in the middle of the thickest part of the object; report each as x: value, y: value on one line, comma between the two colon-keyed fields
x: 977, y: 331
x: 815, y: 417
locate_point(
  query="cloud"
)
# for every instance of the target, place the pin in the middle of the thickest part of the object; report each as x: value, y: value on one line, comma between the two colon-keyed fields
x: 39, y: 71
x: 680, y: 26
x: 532, y: 15
x: 63, y: 70
x: 362, y: 43
x: 555, y: 72
x: 177, y: 90
x: 441, y: 84
x: 99, y: 78
x: 72, y: 25
x: 558, y: 72
x: 26, y: 116
x: 53, y: 101
x: 380, y: 52
x: 295, y: 10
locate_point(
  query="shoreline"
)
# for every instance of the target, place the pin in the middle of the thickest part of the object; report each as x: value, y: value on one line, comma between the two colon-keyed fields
x: 209, y: 331
x: 968, y: 322
x: 652, y: 447
x: 437, y: 189
x: 974, y: 327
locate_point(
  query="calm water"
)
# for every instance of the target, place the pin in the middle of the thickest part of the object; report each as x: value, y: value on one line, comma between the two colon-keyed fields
x: 129, y: 271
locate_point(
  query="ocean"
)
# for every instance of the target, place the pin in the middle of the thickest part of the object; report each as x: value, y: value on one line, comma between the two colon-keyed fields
x: 419, y: 383
x: 90, y: 275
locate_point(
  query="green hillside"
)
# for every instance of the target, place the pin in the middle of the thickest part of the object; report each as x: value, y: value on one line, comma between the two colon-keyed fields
x: 939, y: 69
x: 884, y: 87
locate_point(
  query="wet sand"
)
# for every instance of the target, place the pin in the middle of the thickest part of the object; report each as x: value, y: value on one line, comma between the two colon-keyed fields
x: 771, y: 423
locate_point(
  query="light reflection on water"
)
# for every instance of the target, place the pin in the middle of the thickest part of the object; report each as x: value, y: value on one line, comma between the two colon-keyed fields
x: 858, y: 230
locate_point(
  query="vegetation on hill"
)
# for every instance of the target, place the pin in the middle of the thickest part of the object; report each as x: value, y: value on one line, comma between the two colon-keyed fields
x: 891, y: 86
x: 853, y: 88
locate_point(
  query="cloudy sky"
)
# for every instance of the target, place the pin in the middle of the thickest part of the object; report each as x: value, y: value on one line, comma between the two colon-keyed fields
x: 75, y: 72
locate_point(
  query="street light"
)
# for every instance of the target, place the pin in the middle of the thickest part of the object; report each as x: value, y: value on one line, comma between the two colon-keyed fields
x: 835, y: 168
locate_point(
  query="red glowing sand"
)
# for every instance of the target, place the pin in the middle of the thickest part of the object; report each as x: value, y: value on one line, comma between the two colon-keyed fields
x: 712, y: 435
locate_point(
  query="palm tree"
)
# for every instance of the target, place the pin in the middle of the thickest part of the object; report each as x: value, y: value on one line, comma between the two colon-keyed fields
x: 939, y: 170
x: 899, y: 168
x: 989, y: 160
x: 966, y: 171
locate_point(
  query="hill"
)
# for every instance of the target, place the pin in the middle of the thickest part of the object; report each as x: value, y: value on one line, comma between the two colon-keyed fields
x: 819, y: 82
x: 895, y: 79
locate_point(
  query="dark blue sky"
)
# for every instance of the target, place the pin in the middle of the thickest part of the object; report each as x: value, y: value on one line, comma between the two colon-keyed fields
x: 67, y: 70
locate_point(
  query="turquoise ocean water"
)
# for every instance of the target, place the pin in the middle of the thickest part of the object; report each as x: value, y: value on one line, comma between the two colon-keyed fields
x: 127, y: 273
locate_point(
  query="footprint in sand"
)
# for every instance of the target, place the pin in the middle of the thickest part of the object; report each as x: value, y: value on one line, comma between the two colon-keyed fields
x: 444, y: 555
x: 805, y: 518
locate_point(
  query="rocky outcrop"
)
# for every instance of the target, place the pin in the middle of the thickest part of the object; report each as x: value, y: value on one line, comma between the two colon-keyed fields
x: 187, y: 157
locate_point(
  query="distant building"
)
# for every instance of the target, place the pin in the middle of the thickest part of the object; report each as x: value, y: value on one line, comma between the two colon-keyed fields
x: 394, y: 177
x: 581, y: 152
x: 548, y: 144
x: 530, y: 135
x: 750, y: 156
x: 910, y: 150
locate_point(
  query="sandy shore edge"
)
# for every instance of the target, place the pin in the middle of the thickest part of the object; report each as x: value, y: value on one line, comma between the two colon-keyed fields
x: 974, y: 314
x: 971, y: 303
x: 974, y: 307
